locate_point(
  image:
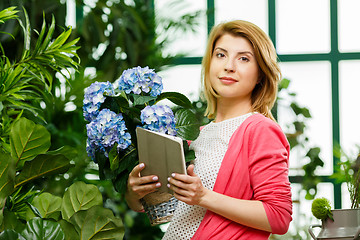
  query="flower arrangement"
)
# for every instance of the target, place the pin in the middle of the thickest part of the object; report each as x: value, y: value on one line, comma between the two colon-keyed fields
x: 114, y: 110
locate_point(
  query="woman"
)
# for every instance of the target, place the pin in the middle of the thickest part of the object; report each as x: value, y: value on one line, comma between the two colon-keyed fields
x: 238, y: 187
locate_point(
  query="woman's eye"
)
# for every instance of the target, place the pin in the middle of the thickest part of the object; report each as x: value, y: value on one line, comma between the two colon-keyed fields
x: 244, y: 59
x: 220, y: 55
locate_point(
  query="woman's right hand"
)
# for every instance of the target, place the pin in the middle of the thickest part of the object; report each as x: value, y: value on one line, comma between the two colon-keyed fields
x: 138, y: 187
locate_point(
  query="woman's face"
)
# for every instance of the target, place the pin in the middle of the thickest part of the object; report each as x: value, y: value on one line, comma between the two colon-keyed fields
x: 234, y: 71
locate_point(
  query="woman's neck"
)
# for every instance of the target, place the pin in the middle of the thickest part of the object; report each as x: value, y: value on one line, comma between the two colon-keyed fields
x: 227, y: 109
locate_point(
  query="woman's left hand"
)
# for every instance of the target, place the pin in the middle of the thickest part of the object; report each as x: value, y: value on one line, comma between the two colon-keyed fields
x: 187, y: 188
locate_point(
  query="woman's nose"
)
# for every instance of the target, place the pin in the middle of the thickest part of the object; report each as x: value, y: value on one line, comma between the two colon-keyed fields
x: 229, y: 66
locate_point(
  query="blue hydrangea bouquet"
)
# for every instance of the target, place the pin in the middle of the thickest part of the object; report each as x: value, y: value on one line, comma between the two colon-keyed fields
x: 114, y: 110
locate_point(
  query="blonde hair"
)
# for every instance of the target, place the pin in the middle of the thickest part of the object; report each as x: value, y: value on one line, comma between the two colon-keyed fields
x: 264, y: 94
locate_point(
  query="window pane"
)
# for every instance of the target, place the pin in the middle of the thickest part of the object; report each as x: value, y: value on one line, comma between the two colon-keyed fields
x: 349, y: 110
x: 311, y: 83
x: 252, y: 11
x: 345, y: 196
x: 184, y: 79
x: 349, y: 32
x: 303, y: 26
x: 190, y: 43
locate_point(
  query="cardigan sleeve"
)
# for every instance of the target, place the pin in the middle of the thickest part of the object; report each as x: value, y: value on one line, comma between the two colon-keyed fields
x: 268, y: 152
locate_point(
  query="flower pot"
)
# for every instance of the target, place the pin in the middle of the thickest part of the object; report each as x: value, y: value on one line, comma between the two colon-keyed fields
x: 159, y: 207
x: 346, y: 225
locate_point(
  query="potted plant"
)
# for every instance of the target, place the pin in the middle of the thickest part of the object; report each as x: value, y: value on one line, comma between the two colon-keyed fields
x: 114, y: 110
x: 340, y: 223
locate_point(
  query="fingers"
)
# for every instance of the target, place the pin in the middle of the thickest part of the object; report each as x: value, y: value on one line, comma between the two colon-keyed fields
x: 189, y: 192
x: 190, y: 170
x: 136, y: 177
x: 137, y: 169
x: 142, y: 190
x: 178, y: 188
x: 178, y: 182
x: 183, y: 177
x: 140, y: 186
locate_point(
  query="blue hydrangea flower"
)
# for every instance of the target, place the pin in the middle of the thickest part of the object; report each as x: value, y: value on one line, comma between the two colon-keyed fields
x: 140, y: 80
x: 94, y: 97
x: 159, y: 118
x: 104, y: 131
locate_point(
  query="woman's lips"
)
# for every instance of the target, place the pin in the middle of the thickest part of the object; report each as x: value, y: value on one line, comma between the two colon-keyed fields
x: 227, y: 80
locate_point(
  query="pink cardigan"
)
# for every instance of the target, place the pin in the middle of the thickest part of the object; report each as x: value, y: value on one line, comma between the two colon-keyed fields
x: 255, y: 166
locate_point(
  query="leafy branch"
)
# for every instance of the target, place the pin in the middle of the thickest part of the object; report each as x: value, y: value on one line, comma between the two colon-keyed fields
x: 24, y: 82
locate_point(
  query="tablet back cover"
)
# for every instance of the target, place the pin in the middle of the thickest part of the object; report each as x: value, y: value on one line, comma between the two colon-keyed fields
x: 162, y: 154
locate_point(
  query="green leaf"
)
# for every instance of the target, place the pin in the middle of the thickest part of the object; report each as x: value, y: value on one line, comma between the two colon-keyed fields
x: 9, y: 234
x: 61, y: 39
x: 299, y: 126
x: 49, y: 35
x: 70, y: 46
x: 177, y: 98
x: 114, y: 158
x: 141, y: 100
x: 127, y: 157
x: 27, y: 34
x: 43, y: 165
x: 48, y: 205
x: 80, y: 196
x: 7, y: 14
x: 27, y: 140
x: 40, y: 229
x: 189, y: 156
x: 186, y: 123
x: 306, y: 112
x: 67, y: 151
x: 113, y: 104
x: 7, y: 177
x: 12, y: 222
x: 97, y: 223
x: 299, y: 110
x: 120, y: 182
x: 32, y: 212
x: 41, y: 37
x: 69, y: 230
x: 104, y: 166
x: 284, y: 83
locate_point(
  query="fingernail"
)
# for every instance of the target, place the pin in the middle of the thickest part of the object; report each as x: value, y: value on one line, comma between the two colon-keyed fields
x: 173, y: 174
x: 158, y: 184
x: 168, y: 179
x: 168, y: 185
x: 141, y: 165
x: 155, y: 178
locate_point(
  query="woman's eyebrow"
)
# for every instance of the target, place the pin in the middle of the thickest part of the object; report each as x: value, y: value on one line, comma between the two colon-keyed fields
x: 238, y: 53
